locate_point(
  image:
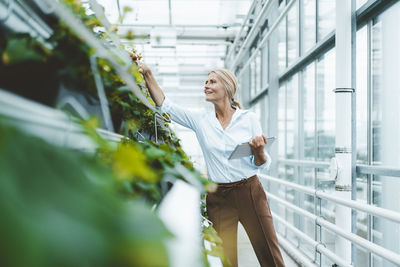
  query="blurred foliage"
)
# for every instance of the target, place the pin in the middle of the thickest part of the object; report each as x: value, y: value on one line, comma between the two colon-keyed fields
x: 95, y: 188
x: 23, y: 49
x: 217, y: 250
x: 140, y: 167
x: 61, y: 208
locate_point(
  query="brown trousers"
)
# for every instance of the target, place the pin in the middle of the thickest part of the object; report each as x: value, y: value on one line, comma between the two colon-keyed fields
x: 244, y: 201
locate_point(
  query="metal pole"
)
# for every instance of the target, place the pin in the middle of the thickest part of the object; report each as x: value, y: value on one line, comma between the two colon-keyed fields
x: 343, y: 146
x: 370, y: 144
x: 354, y: 128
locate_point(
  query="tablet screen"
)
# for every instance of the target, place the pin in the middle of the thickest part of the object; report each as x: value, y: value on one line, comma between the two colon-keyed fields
x: 244, y: 150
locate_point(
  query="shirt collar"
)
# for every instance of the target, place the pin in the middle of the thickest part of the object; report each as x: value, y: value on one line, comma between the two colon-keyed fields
x: 235, y: 116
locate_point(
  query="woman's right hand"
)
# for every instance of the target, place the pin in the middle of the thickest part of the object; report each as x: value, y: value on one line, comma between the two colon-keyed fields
x: 155, y: 91
x: 144, y: 67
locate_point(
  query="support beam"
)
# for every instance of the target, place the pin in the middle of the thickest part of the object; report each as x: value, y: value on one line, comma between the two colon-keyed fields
x: 343, y: 146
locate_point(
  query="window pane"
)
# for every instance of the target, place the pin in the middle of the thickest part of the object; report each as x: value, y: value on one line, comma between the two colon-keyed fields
x: 385, y: 188
x: 326, y: 106
x: 282, y: 45
x: 264, y: 115
x: 386, y: 120
x: 257, y: 109
x: 308, y: 29
x: 282, y: 121
x: 309, y: 111
x: 293, y: 36
x: 307, y: 179
x: 385, y: 83
x: 264, y: 67
x: 362, y: 219
x: 308, y: 229
x: 291, y: 117
x: 361, y: 95
x: 258, y: 71
x: 252, y: 78
x: 266, y: 119
x: 326, y: 17
x: 359, y: 3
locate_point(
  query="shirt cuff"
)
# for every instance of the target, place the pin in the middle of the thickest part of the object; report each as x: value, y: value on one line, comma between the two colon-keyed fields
x: 166, y: 104
x: 263, y: 166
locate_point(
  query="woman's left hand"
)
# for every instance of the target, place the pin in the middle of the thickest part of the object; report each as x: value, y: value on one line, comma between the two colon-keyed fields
x: 257, y: 144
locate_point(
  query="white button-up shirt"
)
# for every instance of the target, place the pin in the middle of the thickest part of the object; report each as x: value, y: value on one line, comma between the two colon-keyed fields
x: 217, y: 144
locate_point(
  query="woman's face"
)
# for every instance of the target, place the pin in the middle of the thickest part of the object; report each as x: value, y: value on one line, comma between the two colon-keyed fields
x: 214, y: 89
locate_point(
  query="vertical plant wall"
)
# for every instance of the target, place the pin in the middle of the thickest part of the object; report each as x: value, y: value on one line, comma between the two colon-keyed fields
x: 68, y: 208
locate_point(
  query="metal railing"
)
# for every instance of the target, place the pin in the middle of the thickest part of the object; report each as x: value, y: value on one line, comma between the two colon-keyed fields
x: 239, y: 34
x: 252, y: 34
x: 355, y: 239
x: 264, y: 39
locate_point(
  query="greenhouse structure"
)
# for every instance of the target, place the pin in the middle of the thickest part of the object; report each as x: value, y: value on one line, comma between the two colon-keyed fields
x: 97, y: 168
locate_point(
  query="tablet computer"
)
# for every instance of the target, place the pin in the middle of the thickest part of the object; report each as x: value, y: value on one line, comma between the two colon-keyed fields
x: 244, y: 150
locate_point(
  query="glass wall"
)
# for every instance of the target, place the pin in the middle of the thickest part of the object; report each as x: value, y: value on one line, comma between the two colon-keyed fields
x: 362, y: 94
x: 282, y: 53
x: 264, y: 67
x: 325, y: 106
x: 308, y: 93
x: 258, y: 78
x: 385, y: 119
x: 306, y: 116
x: 378, y: 126
x: 253, y: 80
x: 308, y: 22
x: 326, y: 17
x: 282, y: 122
x: 292, y: 35
x: 313, y: 19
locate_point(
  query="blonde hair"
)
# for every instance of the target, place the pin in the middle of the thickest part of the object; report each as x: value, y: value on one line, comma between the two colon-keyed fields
x: 230, y: 82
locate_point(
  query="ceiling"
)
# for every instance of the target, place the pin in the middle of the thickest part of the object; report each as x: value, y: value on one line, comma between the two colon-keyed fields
x: 183, y: 39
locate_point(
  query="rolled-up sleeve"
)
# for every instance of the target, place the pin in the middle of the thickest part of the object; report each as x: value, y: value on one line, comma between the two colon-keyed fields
x: 263, y: 166
x: 184, y: 117
x: 257, y: 131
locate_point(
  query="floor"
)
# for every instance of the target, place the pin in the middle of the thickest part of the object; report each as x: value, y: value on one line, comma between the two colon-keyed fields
x: 246, y: 255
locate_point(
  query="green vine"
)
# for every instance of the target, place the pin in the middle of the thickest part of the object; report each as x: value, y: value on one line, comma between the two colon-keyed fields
x: 138, y: 165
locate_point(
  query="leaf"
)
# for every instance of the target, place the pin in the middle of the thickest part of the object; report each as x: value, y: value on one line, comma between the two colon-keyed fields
x: 130, y: 163
x: 22, y: 48
x: 154, y: 152
x: 60, y: 208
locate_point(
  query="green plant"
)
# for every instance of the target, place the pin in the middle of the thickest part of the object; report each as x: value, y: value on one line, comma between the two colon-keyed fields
x: 135, y: 170
x: 62, y: 208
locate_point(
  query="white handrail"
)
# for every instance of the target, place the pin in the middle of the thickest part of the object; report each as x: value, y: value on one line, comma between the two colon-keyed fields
x: 377, y: 211
x: 378, y: 250
x: 295, y: 253
x: 306, y: 163
x: 317, y: 246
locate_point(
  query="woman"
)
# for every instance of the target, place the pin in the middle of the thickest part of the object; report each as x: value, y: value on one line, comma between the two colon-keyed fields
x: 240, y: 195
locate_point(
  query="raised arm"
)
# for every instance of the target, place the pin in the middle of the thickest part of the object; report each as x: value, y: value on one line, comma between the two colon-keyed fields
x: 183, y: 116
x: 155, y: 91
